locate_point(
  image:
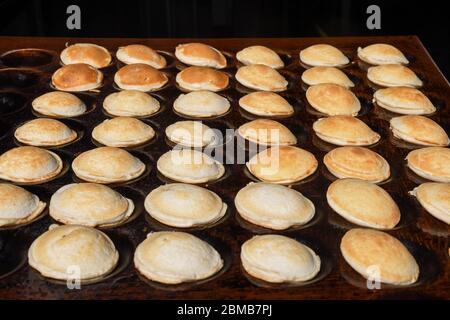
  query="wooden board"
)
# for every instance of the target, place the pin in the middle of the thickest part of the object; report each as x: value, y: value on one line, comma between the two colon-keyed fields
x: 424, y: 235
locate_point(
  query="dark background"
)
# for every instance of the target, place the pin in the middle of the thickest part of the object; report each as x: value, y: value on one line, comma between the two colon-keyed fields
x: 232, y: 18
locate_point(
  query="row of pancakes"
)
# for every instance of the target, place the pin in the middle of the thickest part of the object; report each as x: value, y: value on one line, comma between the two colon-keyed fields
x: 172, y: 257
x: 271, y: 258
x: 329, y: 97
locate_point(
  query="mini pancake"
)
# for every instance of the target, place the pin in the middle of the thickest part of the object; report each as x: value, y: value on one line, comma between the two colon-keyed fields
x: 29, y: 165
x: 59, y: 104
x: 131, y: 103
x: 55, y: 251
x: 435, y: 198
x: 381, y: 53
x: 279, y: 259
x: 139, y: 76
x: 333, y: 100
x: 323, y: 55
x: 176, y: 257
x: 89, y: 204
x: 44, y: 132
x: 365, y: 249
x: 261, y: 77
x: 260, y: 55
x: 107, y: 165
x: 363, y: 203
x: 77, y: 77
x: 267, y: 132
x: 273, y: 206
x: 18, y: 206
x: 88, y: 53
x: 419, y: 130
x: 319, y: 75
x: 199, y: 54
x: 393, y: 75
x: 184, y: 205
x: 191, y: 134
x: 432, y: 163
x: 264, y: 103
x: 345, y: 131
x: 282, y: 165
x: 202, y: 78
x: 201, y: 104
x: 357, y: 162
x: 403, y: 100
x: 138, y: 53
x: 123, y: 132
x: 190, y: 166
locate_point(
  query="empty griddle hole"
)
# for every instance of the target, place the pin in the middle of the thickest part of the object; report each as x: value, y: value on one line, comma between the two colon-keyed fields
x: 27, y: 58
x: 11, y: 102
x: 18, y: 78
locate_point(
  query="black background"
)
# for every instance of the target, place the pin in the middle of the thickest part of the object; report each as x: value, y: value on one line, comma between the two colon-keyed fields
x: 232, y: 18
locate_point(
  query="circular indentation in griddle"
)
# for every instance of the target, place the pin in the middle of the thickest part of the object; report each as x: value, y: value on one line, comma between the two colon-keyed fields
x: 13, y: 253
x: 17, y: 78
x: 24, y: 58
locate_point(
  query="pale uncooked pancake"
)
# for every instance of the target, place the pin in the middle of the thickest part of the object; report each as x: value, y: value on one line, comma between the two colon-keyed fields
x: 273, y: 206
x: 131, y: 103
x: 107, y: 165
x: 176, y: 257
x: 184, y: 205
x: 278, y: 259
x: 123, y: 132
x: 57, y: 251
x: 89, y: 204
x: 59, y: 104
x: 18, y: 206
x: 201, y: 104
x: 191, y: 134
x: 190, y: 166
x: 44, y: 132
